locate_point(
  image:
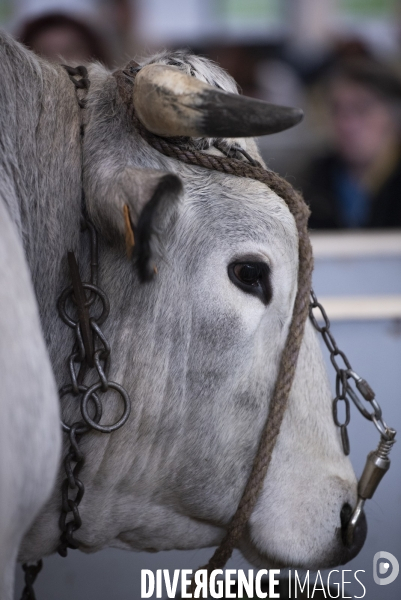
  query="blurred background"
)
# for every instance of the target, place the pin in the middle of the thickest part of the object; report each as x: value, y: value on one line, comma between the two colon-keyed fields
x: 340, y: 60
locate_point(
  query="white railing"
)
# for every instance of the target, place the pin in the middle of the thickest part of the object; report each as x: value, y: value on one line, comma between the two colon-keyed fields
x: 345, y: 245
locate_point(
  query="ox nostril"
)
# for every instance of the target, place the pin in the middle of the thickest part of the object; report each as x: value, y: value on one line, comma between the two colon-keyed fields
x: 345, y: 516
x: 359, y: 533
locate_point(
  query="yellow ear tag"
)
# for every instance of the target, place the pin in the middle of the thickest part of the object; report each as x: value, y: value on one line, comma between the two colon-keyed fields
x: 129, y: 233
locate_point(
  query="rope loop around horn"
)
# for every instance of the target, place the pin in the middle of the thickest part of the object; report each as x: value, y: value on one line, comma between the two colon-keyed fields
x: 172, y: 103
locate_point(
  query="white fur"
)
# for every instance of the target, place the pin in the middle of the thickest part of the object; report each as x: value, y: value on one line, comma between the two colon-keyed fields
x: 198, y: 356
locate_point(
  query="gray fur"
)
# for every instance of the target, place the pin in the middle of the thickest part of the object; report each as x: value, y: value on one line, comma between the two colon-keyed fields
x: 198, y: 356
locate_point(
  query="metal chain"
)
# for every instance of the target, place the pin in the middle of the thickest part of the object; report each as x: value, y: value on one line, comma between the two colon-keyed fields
x: 31, y: 571
x: 90, y: 353
x: 377, y: 461
x: 345, y: 374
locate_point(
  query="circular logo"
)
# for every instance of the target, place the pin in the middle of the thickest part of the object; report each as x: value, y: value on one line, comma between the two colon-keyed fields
x: 382, y: 561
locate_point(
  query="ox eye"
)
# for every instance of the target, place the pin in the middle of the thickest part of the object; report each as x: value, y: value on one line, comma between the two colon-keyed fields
x: 252, y: 277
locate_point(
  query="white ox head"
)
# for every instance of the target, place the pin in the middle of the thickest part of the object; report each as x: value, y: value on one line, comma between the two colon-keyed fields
x: 198, y: 348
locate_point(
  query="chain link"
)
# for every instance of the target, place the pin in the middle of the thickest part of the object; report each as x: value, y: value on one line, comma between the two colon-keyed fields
x: 31, y: 571
x: 344, y: 375
x: 90, y: 353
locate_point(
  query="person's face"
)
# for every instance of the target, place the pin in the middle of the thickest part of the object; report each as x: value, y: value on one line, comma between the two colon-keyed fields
x: 363, y: 122
x: 64, y: 41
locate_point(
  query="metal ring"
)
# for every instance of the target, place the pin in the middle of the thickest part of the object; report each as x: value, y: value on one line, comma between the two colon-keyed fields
x: 120, y: 422
x: 69, y: 292
x: 106, y: 305
x: 62, y: 310
x: 81, y: 428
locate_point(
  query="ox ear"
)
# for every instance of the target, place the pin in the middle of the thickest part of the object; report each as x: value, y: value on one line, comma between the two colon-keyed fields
x: 135, y: 205
x: 153, y: 221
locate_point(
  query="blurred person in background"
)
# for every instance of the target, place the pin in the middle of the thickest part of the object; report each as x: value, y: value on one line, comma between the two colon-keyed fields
x: 358, y: 183
x: 74, y: 31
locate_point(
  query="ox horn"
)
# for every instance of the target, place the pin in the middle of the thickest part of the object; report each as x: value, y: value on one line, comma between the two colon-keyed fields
x: 171, y: 103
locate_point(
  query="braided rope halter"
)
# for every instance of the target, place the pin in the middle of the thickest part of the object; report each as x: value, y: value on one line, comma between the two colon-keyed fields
x: 377, y: 462
x: 290, y: 353
x: 288, y: 363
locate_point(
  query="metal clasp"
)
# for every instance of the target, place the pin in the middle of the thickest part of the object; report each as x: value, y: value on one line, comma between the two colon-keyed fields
x: 368, y: 394
x: 377, y: 464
